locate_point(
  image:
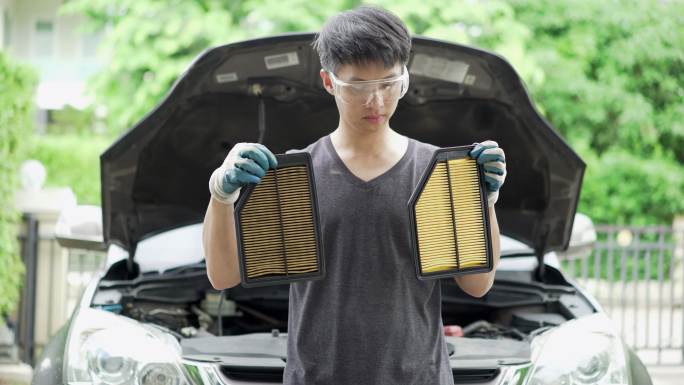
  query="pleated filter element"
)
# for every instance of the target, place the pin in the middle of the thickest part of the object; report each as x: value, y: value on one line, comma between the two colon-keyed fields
x: 277, y: 225
x: 450, y: 217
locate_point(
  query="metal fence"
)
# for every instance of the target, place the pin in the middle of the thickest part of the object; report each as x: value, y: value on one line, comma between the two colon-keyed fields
x: 636, y: 273
x: 54, y: 282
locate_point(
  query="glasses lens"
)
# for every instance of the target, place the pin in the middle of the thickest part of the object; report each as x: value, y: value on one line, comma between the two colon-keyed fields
x: 363, y: 93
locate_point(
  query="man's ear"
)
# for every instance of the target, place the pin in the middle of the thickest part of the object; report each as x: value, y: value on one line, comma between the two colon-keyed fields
x: 327, y: 82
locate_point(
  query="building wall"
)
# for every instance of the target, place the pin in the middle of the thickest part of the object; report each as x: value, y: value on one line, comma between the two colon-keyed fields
x: 40, y: 35
x: 56, y: 45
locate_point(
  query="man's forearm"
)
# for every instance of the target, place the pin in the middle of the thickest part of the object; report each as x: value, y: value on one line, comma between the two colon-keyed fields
x: 220, y: 246
x: 478, y: 285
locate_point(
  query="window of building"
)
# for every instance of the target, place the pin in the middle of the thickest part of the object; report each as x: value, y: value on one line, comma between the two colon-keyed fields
x: 6, y: 28
x: 90, y: 43
x: 44, y: 38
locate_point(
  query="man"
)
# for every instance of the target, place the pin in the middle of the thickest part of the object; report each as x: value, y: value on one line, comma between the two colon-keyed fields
x: 370, y: 320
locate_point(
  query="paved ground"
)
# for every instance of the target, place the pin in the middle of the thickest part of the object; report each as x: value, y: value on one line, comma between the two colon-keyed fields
x: 655, y: 332
x: 15, y: 374
x: 650, y: 317
x: 673, y: 375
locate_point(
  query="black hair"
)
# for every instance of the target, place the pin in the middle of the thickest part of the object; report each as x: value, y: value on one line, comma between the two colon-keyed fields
x: 361, y: 35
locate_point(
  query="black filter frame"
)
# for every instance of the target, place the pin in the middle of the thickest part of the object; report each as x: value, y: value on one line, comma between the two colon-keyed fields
x: 284, y: 161
x: 440, y: 155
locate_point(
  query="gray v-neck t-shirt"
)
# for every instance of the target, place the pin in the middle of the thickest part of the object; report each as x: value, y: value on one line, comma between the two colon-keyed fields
x: 370, y: 320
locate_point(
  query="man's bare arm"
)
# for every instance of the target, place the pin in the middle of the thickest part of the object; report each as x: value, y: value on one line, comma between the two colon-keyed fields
x: 245, y: 163
x: 478, y: 285
x: 220, y: 245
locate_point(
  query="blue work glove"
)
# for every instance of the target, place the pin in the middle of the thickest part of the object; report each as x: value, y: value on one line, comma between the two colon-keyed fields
x: 489, y: 154
x: 245, y: 163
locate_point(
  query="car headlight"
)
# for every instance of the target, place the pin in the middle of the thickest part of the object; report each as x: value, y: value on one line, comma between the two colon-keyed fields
x: 105, y: 348
x: 582, y: 351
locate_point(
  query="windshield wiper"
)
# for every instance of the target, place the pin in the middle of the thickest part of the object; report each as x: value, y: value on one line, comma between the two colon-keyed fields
x: 519, y: 253
x: 179, y: 270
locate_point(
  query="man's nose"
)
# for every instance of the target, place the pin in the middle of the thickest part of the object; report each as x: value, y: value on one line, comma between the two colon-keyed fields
x: 375, y: 98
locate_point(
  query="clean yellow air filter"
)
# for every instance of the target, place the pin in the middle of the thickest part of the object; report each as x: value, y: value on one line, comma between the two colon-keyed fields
x: 450, y: 217
x: 277, y: 226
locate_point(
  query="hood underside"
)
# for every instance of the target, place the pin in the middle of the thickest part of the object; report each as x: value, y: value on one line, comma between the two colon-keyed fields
x: 154, y: 178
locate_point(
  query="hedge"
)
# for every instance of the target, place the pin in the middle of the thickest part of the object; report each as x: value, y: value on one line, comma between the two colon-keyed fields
x: 18, y: 85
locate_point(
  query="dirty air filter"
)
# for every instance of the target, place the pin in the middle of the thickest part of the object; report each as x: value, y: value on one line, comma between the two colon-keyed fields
x: 450, y: 218
x: 277, y: 225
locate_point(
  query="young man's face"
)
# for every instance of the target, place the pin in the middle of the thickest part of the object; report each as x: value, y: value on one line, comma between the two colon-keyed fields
x: 367, y: 113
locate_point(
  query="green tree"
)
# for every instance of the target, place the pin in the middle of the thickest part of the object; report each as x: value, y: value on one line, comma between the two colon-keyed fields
x: 616, y: 71
x: 614, y: 87
x: 16, y: 115
x: 150, y: 43
x: 66, y: 167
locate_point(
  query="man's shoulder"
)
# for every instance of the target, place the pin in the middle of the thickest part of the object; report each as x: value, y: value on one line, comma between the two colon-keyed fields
x: 423, y: 149
x: 310, y: 148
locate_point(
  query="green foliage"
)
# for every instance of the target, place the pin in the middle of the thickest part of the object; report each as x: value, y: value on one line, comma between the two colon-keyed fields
x: 149, y: 45
x: 78, y: 169
x: 617, y: 73
x: 70, y: 120
x: 623, y: 188
x: 608, y: 74
x: 16, y: 113
x: 614, y: 87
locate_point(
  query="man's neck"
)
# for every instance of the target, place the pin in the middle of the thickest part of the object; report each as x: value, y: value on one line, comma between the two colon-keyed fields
x: 370, y: 143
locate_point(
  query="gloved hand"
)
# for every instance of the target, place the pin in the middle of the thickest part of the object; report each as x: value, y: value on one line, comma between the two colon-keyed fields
x: 489, y: 154
x: 245, y: 163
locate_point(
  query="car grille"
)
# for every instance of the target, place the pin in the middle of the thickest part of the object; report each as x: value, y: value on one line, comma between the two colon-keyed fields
x: 277, y: 226
x: 450, y: 218
x: 253, y: 374
x: 473, y: 376
x: 275, y: 375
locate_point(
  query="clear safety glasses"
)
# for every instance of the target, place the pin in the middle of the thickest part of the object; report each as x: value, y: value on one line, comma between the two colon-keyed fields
x: 362, y: 92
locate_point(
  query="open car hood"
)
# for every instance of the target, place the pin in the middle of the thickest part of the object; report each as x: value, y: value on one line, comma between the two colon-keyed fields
x: 155, y: 177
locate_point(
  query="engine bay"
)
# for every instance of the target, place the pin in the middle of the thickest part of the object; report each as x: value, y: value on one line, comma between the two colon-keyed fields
x: 187, y: 306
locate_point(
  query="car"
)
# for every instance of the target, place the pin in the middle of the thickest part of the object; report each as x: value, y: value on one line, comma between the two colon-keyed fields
x: 152, y: 316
